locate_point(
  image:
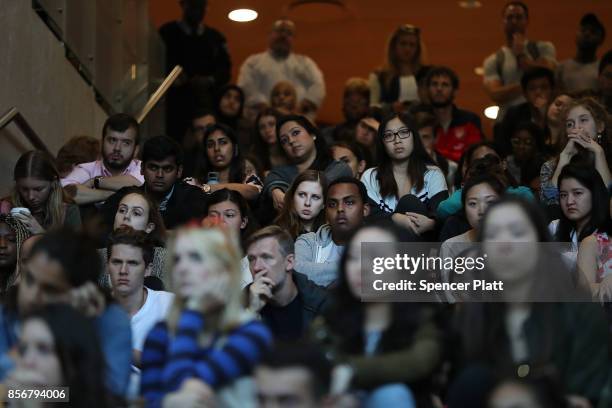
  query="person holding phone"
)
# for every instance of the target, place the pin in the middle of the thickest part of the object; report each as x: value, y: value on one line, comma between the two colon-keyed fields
x: 222, y: 165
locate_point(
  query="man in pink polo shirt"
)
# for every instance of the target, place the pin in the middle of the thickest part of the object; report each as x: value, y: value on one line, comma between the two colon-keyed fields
x: 96, y: 181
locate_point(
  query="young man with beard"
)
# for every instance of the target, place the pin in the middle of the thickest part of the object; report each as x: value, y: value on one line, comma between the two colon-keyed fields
x: 162, y: 166
x: 286, y: 300
x: 457, y: 128
x: 96, y: 181
x: 317, y: 254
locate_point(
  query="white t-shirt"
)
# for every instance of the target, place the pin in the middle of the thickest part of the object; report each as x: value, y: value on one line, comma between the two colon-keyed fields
x: 408, y: 89
x: 154, y: 310
x: 510, y: 71
x: 434, y: 183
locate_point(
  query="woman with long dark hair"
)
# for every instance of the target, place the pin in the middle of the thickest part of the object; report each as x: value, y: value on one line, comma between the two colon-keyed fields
x: 229, y: 107
x: 405, y: 172
x: 584, y: 203
x: 303, y: 210
x: 305, y: 149
x: 39, y: 195
x: 531, y: 329
x: 392, y: 348
x: 228, y: 208
x: 264, y: 144
x: 58, y: 347
x: 222, y: 165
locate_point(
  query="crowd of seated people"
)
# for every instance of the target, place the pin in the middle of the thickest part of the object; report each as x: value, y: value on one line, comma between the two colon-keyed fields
x: 225, y: 266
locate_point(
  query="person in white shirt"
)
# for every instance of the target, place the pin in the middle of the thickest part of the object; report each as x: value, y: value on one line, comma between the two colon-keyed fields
x: 130, y: 258
x: 261, y: 72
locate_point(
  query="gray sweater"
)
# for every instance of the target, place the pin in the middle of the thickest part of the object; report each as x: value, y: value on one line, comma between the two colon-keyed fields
x: 312, y: 256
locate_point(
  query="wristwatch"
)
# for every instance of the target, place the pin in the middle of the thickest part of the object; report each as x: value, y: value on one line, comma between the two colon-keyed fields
x: 206, y: 188
x: 96, y: 182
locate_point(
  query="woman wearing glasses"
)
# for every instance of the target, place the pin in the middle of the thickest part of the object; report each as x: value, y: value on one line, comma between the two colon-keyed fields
x: 406, y: 182
x: 395, y: 82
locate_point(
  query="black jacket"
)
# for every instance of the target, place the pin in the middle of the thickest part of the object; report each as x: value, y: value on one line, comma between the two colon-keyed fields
x: 187, y: 202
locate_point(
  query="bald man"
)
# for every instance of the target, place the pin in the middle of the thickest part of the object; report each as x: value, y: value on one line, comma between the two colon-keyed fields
x: 261, y: 72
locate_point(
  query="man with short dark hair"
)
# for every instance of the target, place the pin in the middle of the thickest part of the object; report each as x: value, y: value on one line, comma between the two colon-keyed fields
x: 162, y: 166
x: 504, y: 68
x: 538, y: 84
x: 580, y: 73
x: 286, y: 300
x: 261, y: 72
x: 457, y: 128
x: 96, y: 181
x: 294, y: 375
x: 317, y: 254
x: 64, y: 266
x: 129, y: 260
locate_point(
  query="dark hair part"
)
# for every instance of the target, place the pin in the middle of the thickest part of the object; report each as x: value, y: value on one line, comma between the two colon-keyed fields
x: 323, y: 158
x: 76, y: 254
x: 79, y: 351
x: 159, y: 148
x: 158, y: 235
x: 354, y: 147
x: 363, y: 192
x: 237, y: 165
x: 516, y: 3
x: 285, y: 241
x: 306, y: 355
x: 534, y: 213
x: 418, y: 160
x: 133, y: 238
x: 258, y: 147
x: 224, y: 90
x: 437, y: 71
x: 600, y: 202
x: 537, y: 73
x: 225, y: 194
x: 120, y: 122
x: 288, y: 218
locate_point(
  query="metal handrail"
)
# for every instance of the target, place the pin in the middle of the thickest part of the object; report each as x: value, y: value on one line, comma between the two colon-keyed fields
x: 13, y: 115
x: 159, y: 93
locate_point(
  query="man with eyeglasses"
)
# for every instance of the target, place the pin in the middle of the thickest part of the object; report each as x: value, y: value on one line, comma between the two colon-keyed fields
x: 260, y: 72
x: 504, y: 68
x: 162, y: 167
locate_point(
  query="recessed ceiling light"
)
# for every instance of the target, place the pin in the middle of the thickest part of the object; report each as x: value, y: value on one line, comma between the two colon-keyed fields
x: 491, y: 112
x: 479, y: 71
x: 242, y: 15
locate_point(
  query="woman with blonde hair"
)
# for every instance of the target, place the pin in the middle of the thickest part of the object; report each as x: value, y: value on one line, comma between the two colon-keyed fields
x: 208, y: 336
x: 38, y: 200
x: 395, y: 82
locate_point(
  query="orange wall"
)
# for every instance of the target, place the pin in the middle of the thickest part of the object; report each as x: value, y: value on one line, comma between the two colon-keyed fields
x: 453, y: 36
